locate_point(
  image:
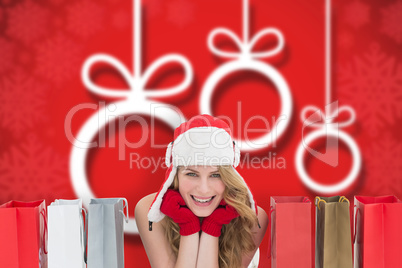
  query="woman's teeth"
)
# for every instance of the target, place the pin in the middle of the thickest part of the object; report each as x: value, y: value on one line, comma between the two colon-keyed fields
x: 202, y: 200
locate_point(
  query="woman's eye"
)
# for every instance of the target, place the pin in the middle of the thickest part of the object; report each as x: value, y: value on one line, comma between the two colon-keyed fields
x: 216, y: 175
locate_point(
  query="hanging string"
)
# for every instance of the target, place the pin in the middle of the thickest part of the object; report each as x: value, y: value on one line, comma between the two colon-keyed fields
x: 136, y: 41
x: 328, y: 53
x: 245, y: 22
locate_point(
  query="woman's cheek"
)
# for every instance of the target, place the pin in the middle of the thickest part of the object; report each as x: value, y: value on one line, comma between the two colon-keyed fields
x: 185, y: 188
x: 219, y: 186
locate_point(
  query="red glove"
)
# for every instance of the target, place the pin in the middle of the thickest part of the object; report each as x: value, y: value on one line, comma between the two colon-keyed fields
x: 223, y: 214
x: 173, y: 205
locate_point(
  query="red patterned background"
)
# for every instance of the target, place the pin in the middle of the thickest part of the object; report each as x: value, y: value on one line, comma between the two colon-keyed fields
x: 43, y: 44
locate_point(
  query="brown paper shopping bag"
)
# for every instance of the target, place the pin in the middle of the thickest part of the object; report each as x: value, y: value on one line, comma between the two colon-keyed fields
x: 333, y: 236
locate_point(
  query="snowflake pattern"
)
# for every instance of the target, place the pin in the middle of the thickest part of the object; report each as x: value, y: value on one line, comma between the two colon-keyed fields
x: 58, y: 59
x: 32, y: 171
x: 392, y: 21
x: 28, y: 22
x: 7, y: 54
x: 85, y: 18
x: 357, y: 14
x: 372, y: 85
x: 384, y: 158
x: 180, y: 12
x: 21, y: 103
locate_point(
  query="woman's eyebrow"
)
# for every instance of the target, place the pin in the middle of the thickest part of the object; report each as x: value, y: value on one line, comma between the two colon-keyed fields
x: 189, y: 169
x: 197, y: 171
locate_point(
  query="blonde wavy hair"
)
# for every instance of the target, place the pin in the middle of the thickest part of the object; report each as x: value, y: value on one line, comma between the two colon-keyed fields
x: 237, y: 237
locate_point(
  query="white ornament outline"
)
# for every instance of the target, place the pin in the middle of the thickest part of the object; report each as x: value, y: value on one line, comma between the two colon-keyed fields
x: 246, y: 60
x: 136, y: 102
x: 327, y: 128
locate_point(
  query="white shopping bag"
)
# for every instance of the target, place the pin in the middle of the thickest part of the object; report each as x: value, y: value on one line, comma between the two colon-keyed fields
x: 256, y: 260
x: 106, y: 232
x: 66, y: 234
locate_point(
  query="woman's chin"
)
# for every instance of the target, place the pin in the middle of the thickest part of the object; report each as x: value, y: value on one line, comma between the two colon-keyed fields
x: 202, y: 212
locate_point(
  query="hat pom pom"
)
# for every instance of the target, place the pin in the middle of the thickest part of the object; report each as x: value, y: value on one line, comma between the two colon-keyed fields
x: 237, y: 154
x: 168, y: 154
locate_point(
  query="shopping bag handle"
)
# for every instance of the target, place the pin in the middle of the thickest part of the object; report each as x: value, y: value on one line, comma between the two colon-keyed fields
x: 355, y: 223
x: 343, y: 198
x: 318, y: 200
x: 269, y: 231
x: 84, y: 231
x: 43, y: 213
x: 122, y: 211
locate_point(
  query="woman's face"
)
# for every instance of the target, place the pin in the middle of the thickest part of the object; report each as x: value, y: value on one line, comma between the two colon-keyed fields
x: 201, y: 188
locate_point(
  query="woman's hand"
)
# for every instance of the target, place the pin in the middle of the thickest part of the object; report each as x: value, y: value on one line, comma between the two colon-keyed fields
x: 173, y: 205
x: 223, y: 214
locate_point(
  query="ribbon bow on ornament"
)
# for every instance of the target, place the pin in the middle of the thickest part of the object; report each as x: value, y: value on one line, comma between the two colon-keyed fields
x: 312, y: 116
x: 246, y: 47
x: 137, y: 82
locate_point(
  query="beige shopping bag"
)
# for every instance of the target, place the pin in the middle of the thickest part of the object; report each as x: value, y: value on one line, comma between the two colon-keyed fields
x: 333, y: 236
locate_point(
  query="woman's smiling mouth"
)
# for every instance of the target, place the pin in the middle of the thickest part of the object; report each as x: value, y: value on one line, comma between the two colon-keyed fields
x: 202, y: 201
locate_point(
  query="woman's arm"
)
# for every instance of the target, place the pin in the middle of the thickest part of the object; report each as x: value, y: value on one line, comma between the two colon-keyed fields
x: 157, y: 247
x: 208, y: 251
x: 188, y: 251
x: 258, y: 236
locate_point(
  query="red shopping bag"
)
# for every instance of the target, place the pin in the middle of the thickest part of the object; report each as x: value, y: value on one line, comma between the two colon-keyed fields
x: 22, y: 234
x: 291, y: 237
x: 378, y: 232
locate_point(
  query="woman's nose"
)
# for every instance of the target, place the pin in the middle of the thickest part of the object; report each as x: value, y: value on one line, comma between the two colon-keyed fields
x: 204, y: 186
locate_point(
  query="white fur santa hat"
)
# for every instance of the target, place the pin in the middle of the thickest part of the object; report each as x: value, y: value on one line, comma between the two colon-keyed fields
x: 203, y: 140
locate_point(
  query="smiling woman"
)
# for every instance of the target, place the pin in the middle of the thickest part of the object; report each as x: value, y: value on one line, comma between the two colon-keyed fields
x: 212, y: 218
x: 201, y: 188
